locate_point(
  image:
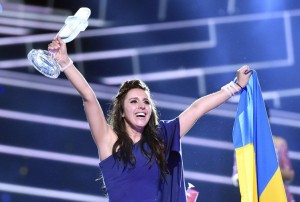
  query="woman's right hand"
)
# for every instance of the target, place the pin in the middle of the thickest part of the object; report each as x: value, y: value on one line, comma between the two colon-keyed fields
x: 59, y: 48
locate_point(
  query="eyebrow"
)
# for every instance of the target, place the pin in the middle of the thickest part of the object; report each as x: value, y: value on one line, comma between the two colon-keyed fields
x: 136, y: 98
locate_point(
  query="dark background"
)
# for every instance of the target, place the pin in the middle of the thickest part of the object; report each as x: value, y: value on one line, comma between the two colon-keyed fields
x: 181, y: 49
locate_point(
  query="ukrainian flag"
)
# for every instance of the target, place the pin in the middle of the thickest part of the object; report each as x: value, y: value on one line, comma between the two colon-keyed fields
x: 258, y: 169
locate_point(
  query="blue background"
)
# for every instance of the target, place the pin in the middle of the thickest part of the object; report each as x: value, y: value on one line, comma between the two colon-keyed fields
x: 182, y: 49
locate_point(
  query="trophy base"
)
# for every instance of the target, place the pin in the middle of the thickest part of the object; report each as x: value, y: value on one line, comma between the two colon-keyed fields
x: 43, y: 61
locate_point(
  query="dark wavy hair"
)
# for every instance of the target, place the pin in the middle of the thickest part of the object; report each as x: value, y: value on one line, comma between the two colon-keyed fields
x: 122, y: 149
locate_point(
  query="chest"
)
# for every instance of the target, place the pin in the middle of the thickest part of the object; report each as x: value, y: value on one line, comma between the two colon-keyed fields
x: 143, y: 179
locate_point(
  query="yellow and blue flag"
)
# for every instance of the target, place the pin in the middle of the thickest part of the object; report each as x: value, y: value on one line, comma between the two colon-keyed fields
x: 258, y: 169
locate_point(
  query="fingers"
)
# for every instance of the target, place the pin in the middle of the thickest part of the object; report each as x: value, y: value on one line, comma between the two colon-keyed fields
x: 57, y: 44
x: 54, y: 44
x: 60, y: 40
x: 244, y: 69
x: 243, y: 75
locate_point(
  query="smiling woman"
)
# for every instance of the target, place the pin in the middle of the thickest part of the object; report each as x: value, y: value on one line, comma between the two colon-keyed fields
x: 136, y: 111
x: 140, y: 156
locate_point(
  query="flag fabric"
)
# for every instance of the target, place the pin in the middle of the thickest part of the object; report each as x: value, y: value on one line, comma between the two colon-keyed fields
x: 258, y: 169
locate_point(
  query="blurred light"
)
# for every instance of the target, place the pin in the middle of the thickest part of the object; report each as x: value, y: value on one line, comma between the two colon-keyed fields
x: 15, y: 63
x: 116, y: 31
x: 21, y: 7
x: 34, y: 20
x: 294, y: 189
x: 54, y: 156
x: 31, y: 23
x: 152, y: 27
x: 207, y: 143
x: 14, y: 31
x: 50, y: 193
x: 231, y: 7
x: 99, y: 55
x: 219, y: 179
x: 26, y: 39
x: 155, y: 76
x: 294, y: 155
x: 105, y: 92
x: 43, y: 119
x: 195, y: 72
x: 33, y: 82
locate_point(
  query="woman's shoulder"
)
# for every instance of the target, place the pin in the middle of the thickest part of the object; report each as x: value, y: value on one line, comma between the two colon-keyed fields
x: 168, y: 122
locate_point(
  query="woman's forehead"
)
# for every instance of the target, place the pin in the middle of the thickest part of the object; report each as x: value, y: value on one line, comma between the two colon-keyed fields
x: 138, y: 93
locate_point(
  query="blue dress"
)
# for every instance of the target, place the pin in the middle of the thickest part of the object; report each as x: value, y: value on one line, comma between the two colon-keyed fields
x: 144, y: 184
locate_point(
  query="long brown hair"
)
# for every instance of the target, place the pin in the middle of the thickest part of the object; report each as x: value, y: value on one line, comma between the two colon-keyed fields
x: 122, y: 149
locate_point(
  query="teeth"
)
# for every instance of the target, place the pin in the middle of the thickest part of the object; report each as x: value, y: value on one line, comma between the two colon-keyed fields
x: 140, y: 114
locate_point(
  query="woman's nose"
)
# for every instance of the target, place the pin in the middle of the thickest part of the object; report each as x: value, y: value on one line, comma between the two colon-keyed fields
x: 142, y: 105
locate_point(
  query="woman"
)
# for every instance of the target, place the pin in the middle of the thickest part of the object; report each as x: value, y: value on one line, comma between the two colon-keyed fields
x: 140, y: 156
x: 286, y: 168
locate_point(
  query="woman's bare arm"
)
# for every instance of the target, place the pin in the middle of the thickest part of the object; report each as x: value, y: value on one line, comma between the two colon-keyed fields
x: 204, y: 104
x: 102, y: 133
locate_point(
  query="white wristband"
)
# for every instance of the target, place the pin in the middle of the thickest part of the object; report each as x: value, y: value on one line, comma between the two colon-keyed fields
x: 67, y: 66
x: 227, y: 90
x: 230, y: 88
x: 233, y: 86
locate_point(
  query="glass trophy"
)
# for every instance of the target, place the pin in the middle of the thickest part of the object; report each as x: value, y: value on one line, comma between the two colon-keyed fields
x: 44, y: 60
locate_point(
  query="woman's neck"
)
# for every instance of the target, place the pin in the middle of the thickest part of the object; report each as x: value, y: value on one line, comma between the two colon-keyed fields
x: 134, y: 134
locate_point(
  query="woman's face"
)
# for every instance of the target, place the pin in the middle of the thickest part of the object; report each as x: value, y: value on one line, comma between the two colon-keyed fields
x: 137, y: 109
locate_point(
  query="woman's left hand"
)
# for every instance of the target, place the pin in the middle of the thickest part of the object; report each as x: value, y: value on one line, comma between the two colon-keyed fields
x: 243, y: 75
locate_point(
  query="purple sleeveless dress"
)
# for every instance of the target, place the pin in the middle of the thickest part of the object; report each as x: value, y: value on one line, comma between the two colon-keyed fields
x: 144, y: 184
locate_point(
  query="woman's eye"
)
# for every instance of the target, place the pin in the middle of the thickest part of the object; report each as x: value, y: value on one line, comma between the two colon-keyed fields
x: 133, y: 101
x: 147, y: 102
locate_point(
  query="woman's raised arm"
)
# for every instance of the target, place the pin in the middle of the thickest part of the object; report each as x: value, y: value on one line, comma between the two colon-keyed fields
x: 102, y: 133
x: 204, y: 104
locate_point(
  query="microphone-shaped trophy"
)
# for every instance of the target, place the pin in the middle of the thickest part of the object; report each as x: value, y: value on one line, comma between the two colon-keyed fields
x: 43, y: 60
